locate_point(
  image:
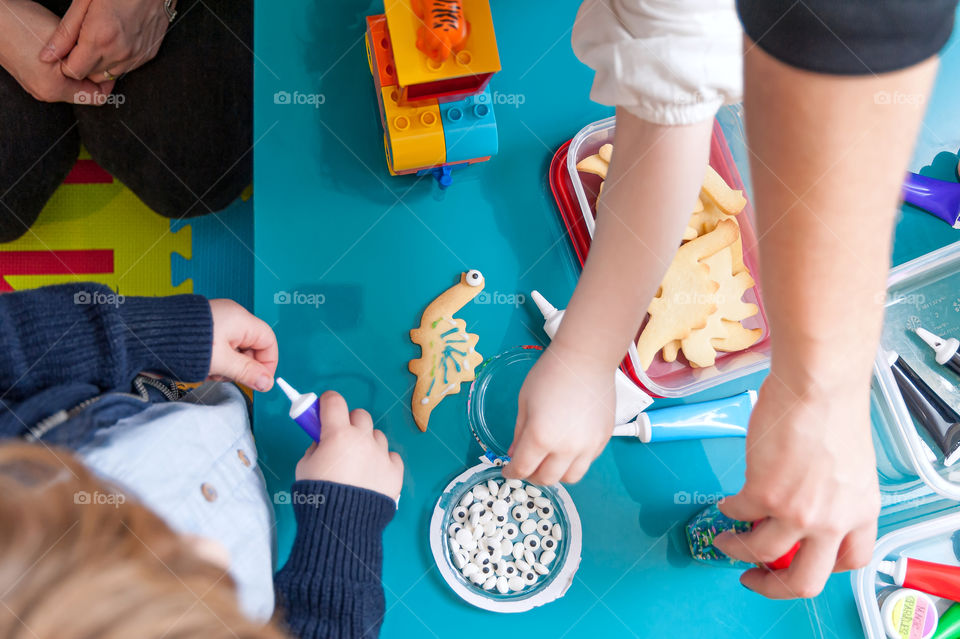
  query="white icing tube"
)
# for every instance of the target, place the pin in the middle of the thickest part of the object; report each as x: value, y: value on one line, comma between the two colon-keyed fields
x: 631, y: 400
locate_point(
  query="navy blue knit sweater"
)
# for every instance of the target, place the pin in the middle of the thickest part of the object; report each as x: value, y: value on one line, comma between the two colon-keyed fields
x: 63, y: 345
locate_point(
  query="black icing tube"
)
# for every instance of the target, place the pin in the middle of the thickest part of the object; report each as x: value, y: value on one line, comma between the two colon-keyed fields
x: 935, y: 415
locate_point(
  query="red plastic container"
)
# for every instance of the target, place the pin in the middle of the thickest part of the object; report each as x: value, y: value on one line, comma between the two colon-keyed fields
x: 576, y: 193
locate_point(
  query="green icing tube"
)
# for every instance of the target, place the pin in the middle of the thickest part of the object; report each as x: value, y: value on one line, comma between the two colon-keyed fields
x: 949, y: 626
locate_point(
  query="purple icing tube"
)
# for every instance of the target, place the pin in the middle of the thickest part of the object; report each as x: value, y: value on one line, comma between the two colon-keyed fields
x: 304, y: 409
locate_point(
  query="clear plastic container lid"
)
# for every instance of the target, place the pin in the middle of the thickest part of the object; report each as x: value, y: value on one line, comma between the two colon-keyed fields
x: 492, y: 401
x: 924, y: 292
x: 678, y: 379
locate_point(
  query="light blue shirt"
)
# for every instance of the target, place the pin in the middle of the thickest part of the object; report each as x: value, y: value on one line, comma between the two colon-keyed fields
x: 194, y: 463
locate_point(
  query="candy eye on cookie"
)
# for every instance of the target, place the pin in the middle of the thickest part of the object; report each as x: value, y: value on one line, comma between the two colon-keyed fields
x: 474, y: 277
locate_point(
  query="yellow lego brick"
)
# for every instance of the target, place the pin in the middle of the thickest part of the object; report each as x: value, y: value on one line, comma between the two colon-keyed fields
x: 479, y: 55
x: 414, y: 133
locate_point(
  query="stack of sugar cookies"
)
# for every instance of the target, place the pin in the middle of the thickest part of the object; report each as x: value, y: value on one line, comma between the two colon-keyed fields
x: 699, y: 308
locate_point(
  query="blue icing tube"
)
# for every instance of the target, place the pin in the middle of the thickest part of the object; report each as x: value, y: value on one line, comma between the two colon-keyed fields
x: 727, y: 417
x: 304, y: 409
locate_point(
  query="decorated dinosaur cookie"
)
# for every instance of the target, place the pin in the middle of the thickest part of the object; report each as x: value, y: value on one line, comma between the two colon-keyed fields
x: 447, y: 355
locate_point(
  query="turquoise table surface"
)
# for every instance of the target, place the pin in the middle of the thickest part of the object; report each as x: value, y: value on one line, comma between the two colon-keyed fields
x: 358, y: 254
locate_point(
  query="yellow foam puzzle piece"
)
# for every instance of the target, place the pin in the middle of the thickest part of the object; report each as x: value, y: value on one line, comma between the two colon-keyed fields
x: 106, y: 217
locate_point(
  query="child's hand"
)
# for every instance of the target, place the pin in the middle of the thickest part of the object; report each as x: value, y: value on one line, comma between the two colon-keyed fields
x: 244, y: 347
x: 565, y: 418
x: 351, y: 451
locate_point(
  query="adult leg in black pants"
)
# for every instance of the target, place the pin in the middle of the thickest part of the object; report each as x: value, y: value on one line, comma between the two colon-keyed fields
x: 39, y: 143
x: 181, y: 139
x: 177, y: 131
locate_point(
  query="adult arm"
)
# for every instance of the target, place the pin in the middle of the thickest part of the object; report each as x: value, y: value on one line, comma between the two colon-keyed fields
x: 567, y: 401
x: 828, y: 154
x: 649, y: 61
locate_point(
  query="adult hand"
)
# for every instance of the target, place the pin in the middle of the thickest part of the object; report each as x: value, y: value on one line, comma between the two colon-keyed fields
x: 565, y: 418
x: 102, y: 39
x: 812, y: 478
x: 26, y: 25
x: 244, y: 346
x: 351, y: 451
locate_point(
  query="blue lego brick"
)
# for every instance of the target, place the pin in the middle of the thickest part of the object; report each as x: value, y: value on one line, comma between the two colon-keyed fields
x: 469, y: 127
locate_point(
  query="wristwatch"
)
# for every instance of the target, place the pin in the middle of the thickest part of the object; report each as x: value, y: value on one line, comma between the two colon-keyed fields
x: 168, y: 7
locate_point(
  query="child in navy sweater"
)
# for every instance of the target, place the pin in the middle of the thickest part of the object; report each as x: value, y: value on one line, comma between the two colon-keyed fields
x: 123, y: 458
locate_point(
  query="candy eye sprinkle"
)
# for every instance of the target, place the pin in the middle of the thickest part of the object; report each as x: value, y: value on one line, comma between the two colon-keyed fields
x: 502, y: 536
x: 474, y: 277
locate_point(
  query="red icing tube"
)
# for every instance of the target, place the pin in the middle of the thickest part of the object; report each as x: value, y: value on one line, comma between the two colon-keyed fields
x: 785, y: 560
x: 940, y: 580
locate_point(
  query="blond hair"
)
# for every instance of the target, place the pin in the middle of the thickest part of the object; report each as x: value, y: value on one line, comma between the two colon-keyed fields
x: 81, y: 560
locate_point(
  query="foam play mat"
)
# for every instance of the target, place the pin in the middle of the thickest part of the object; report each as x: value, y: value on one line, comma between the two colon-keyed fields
x: 95, y: 229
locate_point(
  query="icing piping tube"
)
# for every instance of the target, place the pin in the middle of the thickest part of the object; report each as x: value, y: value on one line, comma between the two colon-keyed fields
x: 631, y: 401
x: 947, y: 350
x: 949, y: 626
x: 726, y: 417
x: 939, y: 580
x: 304, y: 409
x: 936, y: 416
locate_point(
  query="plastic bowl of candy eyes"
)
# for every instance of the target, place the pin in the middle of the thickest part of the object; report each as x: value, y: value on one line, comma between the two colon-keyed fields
x: 480, y: 514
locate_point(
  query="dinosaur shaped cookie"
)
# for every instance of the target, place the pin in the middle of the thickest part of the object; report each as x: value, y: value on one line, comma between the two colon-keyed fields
x: 698, y: 347
x: 447, y: 355
x: 687, y: 293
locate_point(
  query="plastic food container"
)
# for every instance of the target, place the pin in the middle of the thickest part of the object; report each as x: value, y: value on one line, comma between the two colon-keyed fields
x: 678, y: 379
x: 492, y: 411
x: 916, y: 489
x: 930, y: 540
x: 924, y: 292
